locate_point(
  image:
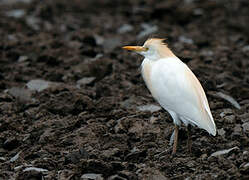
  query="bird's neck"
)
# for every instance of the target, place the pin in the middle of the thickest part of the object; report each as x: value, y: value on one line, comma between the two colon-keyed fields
x: 165, y: 52
x: 161, y: 52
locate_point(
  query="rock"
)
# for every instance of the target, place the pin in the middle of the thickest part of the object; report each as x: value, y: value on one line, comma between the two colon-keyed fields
x: 135, y: 155
x: 119, y: 128
x: 226, y: 112
x: 35, y: 169
x: 245, y: 127
x: 137, y: 128
x: 149, y: 107
x: 207, y: 53
x: 157, y: 175
x: 246, y: 165
x: 65, y: 174
x: 10, y: 2
x: 125, y: 28
x: 244, y: 168
x: 128, y: 103
x: 22, y: 58
x: 21, y: 94
x: 47, y: 135
x: 99, y: 40
x: 229, y: 119
x: 17, y: 13
x: 13, y: 159
x: 147, y: 30
x: 85, y: 81
x: 2, y: 159
x: 223, y: 152
x: 186, y: 40
x: 75, y: 156
x: 93, y: 176
x: 111, y: 43
x: 4, y: 97
x: 244, y: 117
x: 229, y: 99
x: 236, y: 131
x: 221, y: 132
x: 33, y: 22
x: 245, y: 48
x: 153, y: 119
x: 38, y: 85
x: 11, y: 144
x: 17, y: 168
x: 116, y: 177
x: 110, y: 152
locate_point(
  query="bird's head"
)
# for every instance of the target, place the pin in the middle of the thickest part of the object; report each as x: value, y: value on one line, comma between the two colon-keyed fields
x: 152, y: 49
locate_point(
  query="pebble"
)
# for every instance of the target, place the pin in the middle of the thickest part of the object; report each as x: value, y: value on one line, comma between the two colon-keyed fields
x: 186, y: 40
x: 91, y: 176
x: 116, y: 177
x: 157, y: 176
x: 222, y: 152
x: 110, y: 152
x: 149, y: 107
x: 15, y: 1
x: 111, y: 43
x: 75, y: 156
x: 35, y: 169
x: 237, y: 129
x: 33, y: 22
x: 38, y: 85
x: 147, y: 30
x: 125, y: 28
x: 244, y: 117
x: 128, y: 103
x: 22, y: 94
x: 119, y: 128
x: 230, y: 119
x: 17, y: 13
x: 226, y: 112
x: 221, y: 132
x: 229, y: 99
x: 65, y: 174
x: 85, y: 81
x: 13, y: 159
x: 246, y: 165
x: 245, y: 127
x: 245, y: 48
x: 2, y: 159
x: 22, y: 58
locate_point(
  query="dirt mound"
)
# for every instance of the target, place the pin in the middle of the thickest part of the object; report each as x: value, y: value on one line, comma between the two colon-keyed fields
x: 72, y: 102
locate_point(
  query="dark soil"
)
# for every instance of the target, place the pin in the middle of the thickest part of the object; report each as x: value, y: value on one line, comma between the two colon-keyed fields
x: 74, y: 127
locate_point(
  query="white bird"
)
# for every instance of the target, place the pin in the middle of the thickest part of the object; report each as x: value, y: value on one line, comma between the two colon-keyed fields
x: 175, y: 87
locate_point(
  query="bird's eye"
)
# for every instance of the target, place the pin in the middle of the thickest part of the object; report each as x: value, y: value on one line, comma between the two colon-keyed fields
x: 146, y: 48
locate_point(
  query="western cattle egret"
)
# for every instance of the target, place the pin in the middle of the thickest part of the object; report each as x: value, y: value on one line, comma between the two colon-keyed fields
x: 175, y: 88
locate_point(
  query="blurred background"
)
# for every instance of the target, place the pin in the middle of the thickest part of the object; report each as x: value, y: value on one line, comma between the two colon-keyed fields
x: 72, y: 102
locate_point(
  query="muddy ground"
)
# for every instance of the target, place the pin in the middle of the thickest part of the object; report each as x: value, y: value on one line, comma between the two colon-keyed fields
x: 72, y: 102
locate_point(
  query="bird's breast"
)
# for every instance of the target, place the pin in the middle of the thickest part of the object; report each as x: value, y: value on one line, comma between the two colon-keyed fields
x: 146, y: 73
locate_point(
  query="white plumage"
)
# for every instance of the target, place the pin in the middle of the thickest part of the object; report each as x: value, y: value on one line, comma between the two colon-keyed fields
x: 174, y: 86
x: 178, y: 91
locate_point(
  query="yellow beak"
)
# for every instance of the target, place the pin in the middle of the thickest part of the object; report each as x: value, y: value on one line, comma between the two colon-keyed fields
x: 135, y: 48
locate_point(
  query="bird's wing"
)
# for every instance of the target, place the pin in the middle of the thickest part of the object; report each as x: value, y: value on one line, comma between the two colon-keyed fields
x: 176, y: 88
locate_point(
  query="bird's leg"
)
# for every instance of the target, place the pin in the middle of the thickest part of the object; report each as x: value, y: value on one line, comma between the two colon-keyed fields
x: 175, y: 139
x: 171, y: 141
x: 189, y: 141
